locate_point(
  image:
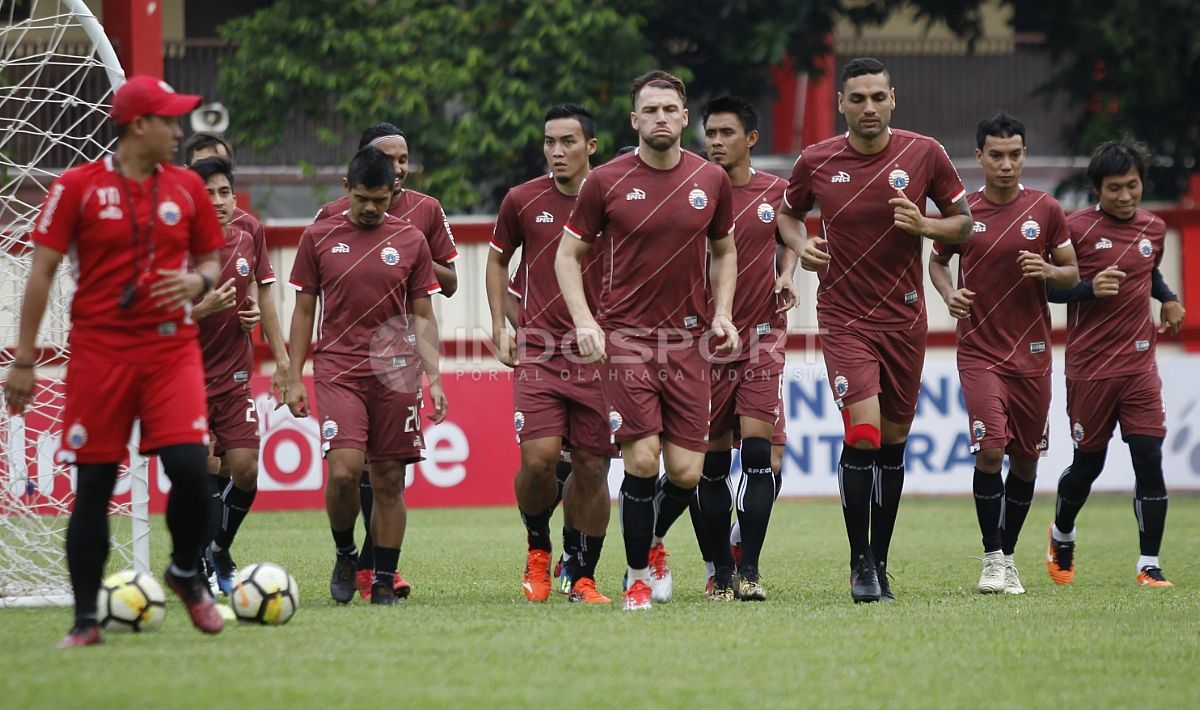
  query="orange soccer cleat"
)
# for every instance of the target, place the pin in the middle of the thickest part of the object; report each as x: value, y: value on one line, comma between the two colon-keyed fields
x: 584, y: 591
x: 1060, y: 559
x: 536, y: 582
x: 1152, y: 577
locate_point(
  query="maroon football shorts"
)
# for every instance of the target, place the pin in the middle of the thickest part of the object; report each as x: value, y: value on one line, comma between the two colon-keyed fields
x: 381, y: 420
x: 105, y: 395
x: 233, y: 420
x: 657, y: 389
x: 1095, y: 407
x: 554, y: 396
x: 745, y: 388
x: 1009, y: 413
x: 863, y: 363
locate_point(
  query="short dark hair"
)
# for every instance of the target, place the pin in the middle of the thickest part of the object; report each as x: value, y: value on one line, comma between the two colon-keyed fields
x: 861, y: 66
x: 379, y: 130
x: 213, y: 165
x: 201, y: 141
x: 735, y: 105
x: 1116, y: 158
x: 370, y: 168
x: 658, y: 79
x: 1001, y: 125
x: 587, y: 121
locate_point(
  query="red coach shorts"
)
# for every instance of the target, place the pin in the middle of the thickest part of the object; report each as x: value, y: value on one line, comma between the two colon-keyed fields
x: 105, y: 395
x: 745, y: 389
x: 657, y: 389
x: 1009, y: 413
x: 863, y: 363
x: 381, y: 420
x: 233, y: 420
x: 1094, y: 408
x: 556, y: 397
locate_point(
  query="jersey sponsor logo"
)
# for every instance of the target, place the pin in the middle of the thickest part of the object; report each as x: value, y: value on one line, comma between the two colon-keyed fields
x: 169, y: 213
x: 241, y: 376
x: 418, y: 443
x: 978, y: 429
x: 840, y: 176
x: 635, y: 194
x: 1142, y: 346
x: 77, y: 436
x: 979, y: 227
x: 910, y: 298
x: 1104, y: 243
x: 766, y: 213
x: 614, y: 420
x: 1031, y: 230
x: 690, y: 321
x: 697, y: 199
x: 1044, y: 442
x: 898, y: 179
x: 518, y: 420
x: 544, y: 218
x: 841, y: 385
x: 243, y: 267
x: 1037, y: 346
x: 398, y: 361
x: 340, y: 248
x: 111, y: 213
x: 390, y: 256
x: 762, y: 328
x: 329, y: 429
x: 1145, y: 248
x: 1077, y: 432
x: 200, y: 424
x: 51, y: 205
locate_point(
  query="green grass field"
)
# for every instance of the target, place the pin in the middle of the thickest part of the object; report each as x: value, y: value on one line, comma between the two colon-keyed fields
x: 467, y: 637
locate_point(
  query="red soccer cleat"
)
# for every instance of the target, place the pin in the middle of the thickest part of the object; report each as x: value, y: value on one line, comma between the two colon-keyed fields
x: 81, y: 636
x: 198, y: 601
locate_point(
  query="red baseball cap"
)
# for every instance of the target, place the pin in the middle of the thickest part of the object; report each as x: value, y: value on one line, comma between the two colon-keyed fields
x: 149, y: 96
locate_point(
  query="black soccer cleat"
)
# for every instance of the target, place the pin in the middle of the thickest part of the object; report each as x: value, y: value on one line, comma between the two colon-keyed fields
x: 341, y: 583
x: 383, y: 594
x: 864, y: 580
x: 885, y: 587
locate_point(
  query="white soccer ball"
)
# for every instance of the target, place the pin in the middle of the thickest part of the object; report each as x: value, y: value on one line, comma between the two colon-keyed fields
x: 265, y: 593
x: 131, y: 601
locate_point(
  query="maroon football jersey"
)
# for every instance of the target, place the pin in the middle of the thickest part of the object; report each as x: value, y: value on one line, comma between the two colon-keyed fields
x: 1114, y: 337
x: 423, y: 211
x: 655, y: 226
x: 87, y: 213
x: 228, y: 350
x: 531, y: 219
x: 1009, y: 328
x: 367, y: 280
x: 874, y: 277
x: 755, y: 302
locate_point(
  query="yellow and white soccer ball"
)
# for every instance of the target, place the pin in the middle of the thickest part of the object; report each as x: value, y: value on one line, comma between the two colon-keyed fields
x: 131, y: 601
x: 264, y: 593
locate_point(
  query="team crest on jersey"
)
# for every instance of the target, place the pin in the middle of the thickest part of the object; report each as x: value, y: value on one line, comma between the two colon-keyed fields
x: 1031, y: 230
x: 169, y: 213
x: 614, y: 420
x: 1104, y: 243
x: 77, y: 436
x: 841, y: 385
x: 979, y: 227
x: 243, y: 266
x: 518, y: 420
x: 329, y: 429
x: 697, y: 199
x: 1145, y: 248
x: 978, y: 430
x: 340, y: 248
x: 1077, y: 432
x: 636, y: 193
x: 898, y: 179
x: 840, y: 176
x: 544, y: 218
x: 390, y: 256
x: 766, y: 213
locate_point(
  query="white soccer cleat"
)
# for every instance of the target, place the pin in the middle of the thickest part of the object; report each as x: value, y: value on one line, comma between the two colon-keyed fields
x: 661, y: 584
x: 991, y: 581
x: 1012, y: 580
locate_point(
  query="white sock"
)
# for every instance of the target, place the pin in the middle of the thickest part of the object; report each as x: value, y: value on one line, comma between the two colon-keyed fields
x: 180, y: 573
x: 996, y: 555
x: 656, y: 541
x: 735, y: 534
x: 710, y: 570
x: 1144, y: 562
x: 636, y: 574
x: 1010, y: 559
x: 1062, y: 536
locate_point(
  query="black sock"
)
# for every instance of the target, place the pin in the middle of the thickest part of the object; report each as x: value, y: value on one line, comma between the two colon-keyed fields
x: 587, y: 555
x: 1075, y: 485
x: 87, y: 537
x: 343, y: 540
x: 537, y: 529
x: 698, y: 523
x: 1149, y: 493
x: 778, y: 483
x: 570, y: 540
x: 216, y: 486
x: 637, y: 519
x: 366, y: 501
x: 885, y: 503
x: 1018, y: 498
x: 989, y: 507
x: 856, y: 473
x: 386, y: 559
x: 236, y: 504
x: 714, y: 504
x: 755, y: 499
x: 562, y: 470
x: 670, y: 502
x: 186, y: 465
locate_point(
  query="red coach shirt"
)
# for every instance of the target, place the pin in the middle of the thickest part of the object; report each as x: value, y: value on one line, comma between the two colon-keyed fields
x: 228, y: 350
x: 1114, y: 337
x: 655, y: 225
x: 874, y: 277
x: 1009, y: 328
x: 755, y: 302
x: 423, y: 211
x: 367, y: 280
x: 87, y: 213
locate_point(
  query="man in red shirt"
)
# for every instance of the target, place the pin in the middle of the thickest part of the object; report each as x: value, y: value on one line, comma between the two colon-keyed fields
x: 378, y: 333
x: 1004, y: 336
x: 1112, y: 376
x: 557, y: 402
x: 872, y: 184
x: 143, y: 240
x: 656, y: 214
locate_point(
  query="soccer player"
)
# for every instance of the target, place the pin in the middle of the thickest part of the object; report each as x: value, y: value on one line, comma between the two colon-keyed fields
x: 1004, y: 336
x: 746, y: 386
x: 556, y: 402
x: 227, y: 316
x: 135, y: 227
x: 374, y: 275
x: 1112, y: 376
x: 654, y: 212
x: 872, y: 184
x: 427, y: 215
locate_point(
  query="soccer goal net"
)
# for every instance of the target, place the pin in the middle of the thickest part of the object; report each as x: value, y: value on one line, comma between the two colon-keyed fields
x: 57, y: 74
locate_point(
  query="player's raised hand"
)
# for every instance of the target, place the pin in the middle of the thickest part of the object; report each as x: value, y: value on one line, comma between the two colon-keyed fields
x: 591, y: 342
x: 438, y: 397
x: 1108, y: 282
x: 786, y: 288
x: 215, y: 301
x: 814, y: 257
x: 726, y: 334
x: 1033, y: 266
x: 906, y: 215
x: 1171, y: 317
x: 959, y: 302
x: 506, y: 347
x: 297, y: 399
x: 18, y: 389
x: 251, y: 315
